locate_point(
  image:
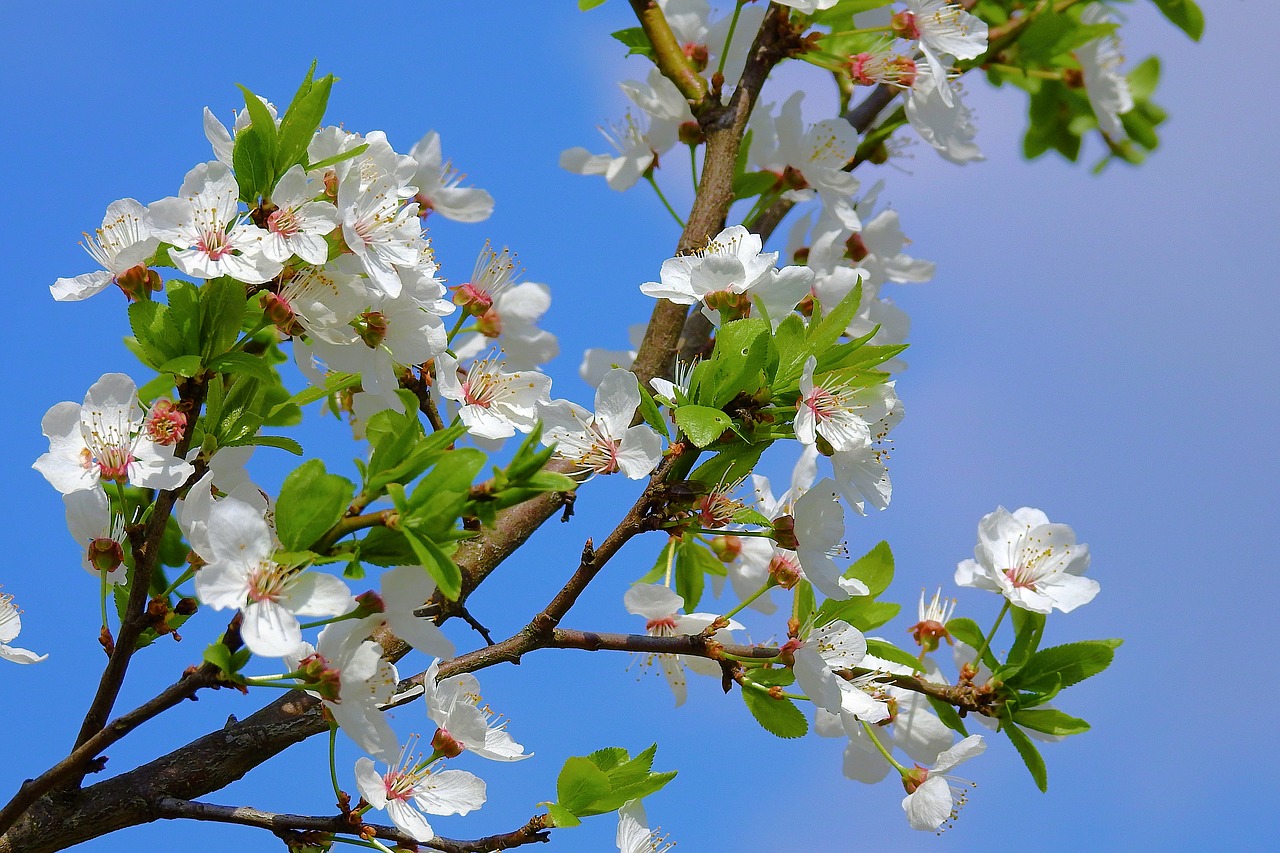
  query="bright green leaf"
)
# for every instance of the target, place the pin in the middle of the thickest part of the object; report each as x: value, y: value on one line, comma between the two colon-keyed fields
x: 1030, y: 755
x: 702, y: 424
x: 1050, y: 721
x: 580, y: 784
x: 311, y: 501
x: 779, y: 717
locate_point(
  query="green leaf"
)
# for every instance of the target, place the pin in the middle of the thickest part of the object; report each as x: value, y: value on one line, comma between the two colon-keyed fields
x: 947, y: 714
x: 967, y: 631
x: 1072, y: 663
x: 584, y: 5
x: 338, y: 158
x: 1028, y: 628
x: 609, y: 758
x: 690, y: 578
x: 652, y: 414
x: 1185, y: 14
x: 311, y: 501
x: 860, y: 611
x: 702, y: 424
x: 183, y: 365
x: 254, y: 164
x: 1051, y: 721
x: 220, y: 656
x: 742, y: 353
x: 890, y: 652
x: 751, y: 184
x: 580, y: 784
x: 874, y: 568
x: 1030, y: 755
x: 241, y: 363
x: 334, y: 383
x: 158, y: 339
x: 635, y: 40
x: 260, y: 120
x: 444, y: 571
x: 729, y: 465
x: 779, y: 717
x: 300, y: 121
x: 222, y: 307
x: 562, y: 817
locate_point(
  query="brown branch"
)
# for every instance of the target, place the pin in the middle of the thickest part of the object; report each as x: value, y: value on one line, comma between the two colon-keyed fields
x: 171, y: 808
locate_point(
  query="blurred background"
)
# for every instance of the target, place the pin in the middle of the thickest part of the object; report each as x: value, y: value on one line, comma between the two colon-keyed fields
x: 1103, y: 348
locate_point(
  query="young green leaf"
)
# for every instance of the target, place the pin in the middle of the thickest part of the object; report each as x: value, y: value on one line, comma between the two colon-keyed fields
x: 580, y: 784
x: 1072, y: 663
x: 779, y: 717
x: 1050, y: 721
x: 311, y: 501
x: 702, y: 424
x: 1030, y: 755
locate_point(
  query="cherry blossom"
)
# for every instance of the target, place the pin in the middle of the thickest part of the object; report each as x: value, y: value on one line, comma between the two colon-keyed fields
x: 241, y: 575
x: 204, y: 225
x: 1104, y: 83
x: 493, y: 403
x: 634, y: 834
x: 408, y: 790
x: 99, y: 531
x: 104, y: 440
x: 659, y: 605
x: 298, y: 224
x: 835, y: 645
x: 122, y: 243
x: 934, y: 797
x: 437, y: 183
x: 838, y: 412
x: 943, y: 28
x: 606, y: 442
x: 10, y: 627
x: 453, y: 704
x: 1035, y: 564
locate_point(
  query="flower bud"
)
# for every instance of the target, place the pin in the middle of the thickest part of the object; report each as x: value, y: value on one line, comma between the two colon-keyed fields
x: 444, y: 743
x: 904, y: 26
x: 727, y: 547
x: 139, y: 282
x: 470, y: 299
x: 697, y: 55
x: 105, y: 554
x: 784, y: 532
x: 690, y: 133
x: 369, y: 603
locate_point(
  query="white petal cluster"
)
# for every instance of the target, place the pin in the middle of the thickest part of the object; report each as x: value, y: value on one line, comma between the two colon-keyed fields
x: 1104, y: 83
x: 604, y: 442
x: 659, y: 606
x: 408, y: 791
x: 1034, y: 563
x: 453, y: 704
x: 123, y: 242
x: 10, y: 627
x: 492, y: 402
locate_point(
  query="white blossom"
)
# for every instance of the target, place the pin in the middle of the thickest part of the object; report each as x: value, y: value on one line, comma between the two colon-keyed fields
x: 1104, y: 83
x: 122, y: 243
x: 493, y: 403
x: 10, y: 627
x: 606, y: 442
x: 659, y: 605
x: 408, y: 790
x: 437, y: 183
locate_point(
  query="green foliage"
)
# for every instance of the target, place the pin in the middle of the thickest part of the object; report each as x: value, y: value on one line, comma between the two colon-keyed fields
x: 585, y: 5
x: 1050, y: 721
x: 967, y: 631
x: 1029, y: 754
x: 603, y: 782
x: 693, y: 563
x: 636, y: 40
x: 226, y: 660
x: 262, y: 152
x: 1063, y: 665
x: 875, y: 569
x: 311, y: 501
x: 893, y: 654
x: 1185, y: 14
x: 301, y: 120
x: 702, y: 424
x: 779, y: 716
x: 948, y: 715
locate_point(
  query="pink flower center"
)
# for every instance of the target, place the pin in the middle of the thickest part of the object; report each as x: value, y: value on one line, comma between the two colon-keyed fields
x: 665, y: 625
x: 283, y: 222
x: 821, y: 402
x: 215, y: 244
x: 267, y: 582
x: 1022, y: 577
x: 113, y: 463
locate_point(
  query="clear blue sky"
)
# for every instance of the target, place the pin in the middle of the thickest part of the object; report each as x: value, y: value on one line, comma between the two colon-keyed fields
x: 1103, y: 348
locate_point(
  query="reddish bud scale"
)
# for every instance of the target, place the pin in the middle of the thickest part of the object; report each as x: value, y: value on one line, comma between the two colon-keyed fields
x: 369, y: 603
x: 319, y: 676
x: 913, y: 779
x: 904, y: 26
x: 490, y: 324
x: 471, y: 300
x: 732, y: 306
x: 698, y: 55
x: 784, y: 532
x: 793, y: 179
x: 371, y: 326
x: 690, y: 133
x: 444, y: 744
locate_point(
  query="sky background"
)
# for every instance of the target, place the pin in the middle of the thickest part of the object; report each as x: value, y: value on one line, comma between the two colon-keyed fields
x: 1100, y: 347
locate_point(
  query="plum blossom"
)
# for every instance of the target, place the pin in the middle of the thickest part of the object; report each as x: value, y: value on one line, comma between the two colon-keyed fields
x: 122, y: 243
x: 241, y: 575
x: 634, y: 145
x: 634, y: 834
x: 659, y: 605
x: 936, y: 112
x: 408, y: 790
x: 934, y: 797
x: 493, y: 403
x: 453, y: 704
x: 99, y: 531
x: 841, y: 414
x: 1104, y: 83
x: 834, y: 646
x: 348, y: 673
x: 298, y: 224
x: 1035, y: 564
x: 10, y: 627
x: 319, y: 302
x: 511, y: 324
x: 943, y: 28
x: 437, y: 183
x: 382, y: 233
x: 204, y: 225
x: 105, y: 439
x: 223, y: 140
x: 604, y: 443
x: 404, y: 590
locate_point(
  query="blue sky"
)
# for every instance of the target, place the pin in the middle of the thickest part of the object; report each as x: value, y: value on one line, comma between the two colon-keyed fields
x: 1099, y: 347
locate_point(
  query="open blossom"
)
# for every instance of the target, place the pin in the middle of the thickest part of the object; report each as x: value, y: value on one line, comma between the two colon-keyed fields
x: 408, y: 790
x: 511, y: 324
x: 437, y: 183
x: 319, y: 302
x: 10, y: 627
x: 596, y: 362
x: 634, y: 834
x: 933, y: 795
x: 241, y: 575
x: 659, y: 605
x: 122, y: 243
x: 382, y: 233
x: 204, y: 225
x: 453, y: 704
x: 839, y: 413
x: 105, y: 439
x: 404, y: 590
x: 936, y: 112
x: 1035, y: 564
x: 493, y: 403
x: 834, y: 646
x: 634, y: 155
x: 606, y: 442
x: 349, y: 674
x: 1104, y: 82
x: 99, y: 531
x: 298, y: 224
x: 943, y: 28
x: 730, y: 264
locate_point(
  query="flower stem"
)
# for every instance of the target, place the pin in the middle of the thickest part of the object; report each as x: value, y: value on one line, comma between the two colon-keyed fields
x: 767, y: 691
x: 768, y: 585
x: 861, y: 32
x: 879, y: 746
x: 457, y: 327
x: 316, y: 624
x: 333, y: 762
x: 693, y: 165
x: 187, y: 575
x: 728, y: 40
x: 1041, y: 73
x: 662, y: 198
x: 102, y: 595
x: 986, y: 641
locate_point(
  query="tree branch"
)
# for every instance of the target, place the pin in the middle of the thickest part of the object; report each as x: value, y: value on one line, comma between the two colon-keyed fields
x: 170, y: 808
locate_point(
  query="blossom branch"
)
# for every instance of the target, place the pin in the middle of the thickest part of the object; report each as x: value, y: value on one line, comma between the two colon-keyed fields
x: 171, y: 808
x: 669, y: 55
x: 146, y: 553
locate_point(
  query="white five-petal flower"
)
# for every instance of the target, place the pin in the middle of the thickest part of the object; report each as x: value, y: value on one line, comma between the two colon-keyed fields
x: 937, y: 798
x: 659, y: 605
x: 409, y: 790
x: 123, y: 242
x: 604, y: 443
